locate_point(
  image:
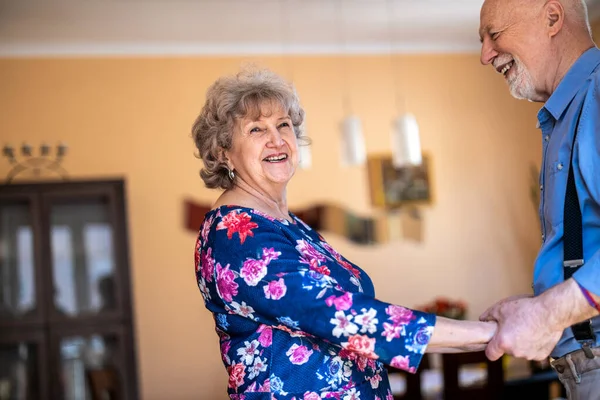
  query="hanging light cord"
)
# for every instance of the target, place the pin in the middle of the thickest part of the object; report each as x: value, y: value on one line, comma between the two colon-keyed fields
x: 346, y: 103
x: 399, y: 99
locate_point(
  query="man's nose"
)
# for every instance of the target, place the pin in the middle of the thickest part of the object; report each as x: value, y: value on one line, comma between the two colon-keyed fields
x: 488, y: 53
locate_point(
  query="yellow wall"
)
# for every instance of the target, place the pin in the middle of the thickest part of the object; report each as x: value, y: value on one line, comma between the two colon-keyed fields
x: 131, y: 117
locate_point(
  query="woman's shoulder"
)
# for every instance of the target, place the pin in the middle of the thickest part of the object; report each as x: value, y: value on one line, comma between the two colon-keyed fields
x: 237, y: 220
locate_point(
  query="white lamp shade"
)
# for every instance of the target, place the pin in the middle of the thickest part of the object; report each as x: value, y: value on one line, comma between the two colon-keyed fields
x: 406, y: 143
x: 353, y: 142
x: 304, y: 156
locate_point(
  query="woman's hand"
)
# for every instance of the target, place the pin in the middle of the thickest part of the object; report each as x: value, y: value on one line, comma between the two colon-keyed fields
x: 454, y: 336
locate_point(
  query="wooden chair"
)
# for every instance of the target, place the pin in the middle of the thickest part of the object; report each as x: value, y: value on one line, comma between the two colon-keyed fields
x: 413, y: 381
x: 103, y: 384
x: 491, y: 389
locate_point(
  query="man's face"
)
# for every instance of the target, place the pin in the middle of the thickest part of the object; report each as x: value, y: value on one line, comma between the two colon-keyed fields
x: 512, y: 41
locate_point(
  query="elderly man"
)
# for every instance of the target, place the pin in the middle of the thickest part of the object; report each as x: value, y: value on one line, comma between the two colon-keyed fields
x: 546, y: 53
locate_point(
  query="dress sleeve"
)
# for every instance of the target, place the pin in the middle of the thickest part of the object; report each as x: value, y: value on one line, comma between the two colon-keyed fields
x: 260, y: 273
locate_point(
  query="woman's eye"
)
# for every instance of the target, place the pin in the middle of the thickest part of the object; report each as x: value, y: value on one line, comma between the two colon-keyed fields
x: 255, y: 130
x: 284, y: 124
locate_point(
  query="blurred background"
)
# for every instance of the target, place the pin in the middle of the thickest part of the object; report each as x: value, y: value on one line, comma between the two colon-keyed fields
x: 102, y: 198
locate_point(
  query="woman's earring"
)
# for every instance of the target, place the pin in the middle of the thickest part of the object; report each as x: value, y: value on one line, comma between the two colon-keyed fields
x: 231, y: 174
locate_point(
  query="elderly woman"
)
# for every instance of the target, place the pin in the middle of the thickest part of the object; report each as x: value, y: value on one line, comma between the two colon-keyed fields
x: 295, y: 319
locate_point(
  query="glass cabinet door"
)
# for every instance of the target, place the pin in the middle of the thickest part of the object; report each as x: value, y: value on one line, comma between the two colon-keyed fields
x: 19, y: 294
x: 91, y: 366
x: 22, y: 357
x: 83, y: 258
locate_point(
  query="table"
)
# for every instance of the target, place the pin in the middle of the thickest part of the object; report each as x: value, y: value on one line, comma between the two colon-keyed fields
x: 519, y: 381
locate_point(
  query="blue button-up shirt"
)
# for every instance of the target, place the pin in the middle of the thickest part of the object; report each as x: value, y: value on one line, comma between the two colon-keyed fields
x: 579, y: 90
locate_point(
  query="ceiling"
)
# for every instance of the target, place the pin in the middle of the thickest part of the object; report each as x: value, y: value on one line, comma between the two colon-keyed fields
x: 224, y: 27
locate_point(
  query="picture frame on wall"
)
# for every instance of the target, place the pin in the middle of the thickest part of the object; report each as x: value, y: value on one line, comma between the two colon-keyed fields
x: 392, y: 187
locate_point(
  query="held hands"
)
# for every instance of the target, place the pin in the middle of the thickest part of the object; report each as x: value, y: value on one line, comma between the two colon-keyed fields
x: 524, y: 329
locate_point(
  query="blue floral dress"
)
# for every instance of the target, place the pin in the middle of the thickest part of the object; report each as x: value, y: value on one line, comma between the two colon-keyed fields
x: 295, y: 319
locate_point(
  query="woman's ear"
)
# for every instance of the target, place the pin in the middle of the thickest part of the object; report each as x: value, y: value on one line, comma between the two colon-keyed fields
x: 555, y: 17
x: 225, y: 160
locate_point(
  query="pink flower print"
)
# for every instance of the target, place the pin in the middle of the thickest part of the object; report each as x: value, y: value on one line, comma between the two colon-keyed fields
x: 266, y: 386
x: 362, y: 345
x: 343, y: 324
x: 275, y: 290
x: 242, y: 309
x: 371, y: 364
x: 310, y: 255
x: 259, y: 365
x: 225, y: 283
x: 225, y: 347
x: 348, y: 267
x: 197, y: 256
x: 351, y: 394
x: 389, y: 395
x: 329, y: 249
x: 298, y: 354
x: 361, y: 363
x: 311, y: 396
x: 266, y: 336
x: 402, y: 362
x: 343, y: 302
x: 237, y: 222
x: 264, y: 215
x: 391, y: 331
x: 270, y: 255
x: 248, y: 352
x: 375, y: 379
x: 400, y: 315
x: 208, y: 265
x: 206, y: 228
x: 322, y: 269
x: 253, y: 271
x: 368, y: 320
x: 237, y: 372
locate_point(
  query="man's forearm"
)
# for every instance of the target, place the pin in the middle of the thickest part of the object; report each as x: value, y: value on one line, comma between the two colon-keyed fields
x: 566, y: 305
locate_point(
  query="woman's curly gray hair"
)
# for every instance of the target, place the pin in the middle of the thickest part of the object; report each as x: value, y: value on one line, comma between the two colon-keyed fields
x: 230, y: 99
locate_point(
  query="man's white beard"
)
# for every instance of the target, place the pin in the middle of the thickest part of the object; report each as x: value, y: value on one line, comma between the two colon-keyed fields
x: 521, y: 83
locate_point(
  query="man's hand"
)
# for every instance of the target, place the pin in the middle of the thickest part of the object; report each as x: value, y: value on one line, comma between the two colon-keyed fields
x: 524, y: 330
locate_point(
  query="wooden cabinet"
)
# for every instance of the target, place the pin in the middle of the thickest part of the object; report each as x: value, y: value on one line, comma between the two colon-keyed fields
x: 65, y: 291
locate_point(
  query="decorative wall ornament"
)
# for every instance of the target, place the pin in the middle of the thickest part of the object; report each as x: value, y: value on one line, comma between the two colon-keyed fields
x: 47, y: 161
x: 393, y: 187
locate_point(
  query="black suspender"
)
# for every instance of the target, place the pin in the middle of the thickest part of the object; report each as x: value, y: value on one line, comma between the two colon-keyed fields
x: 573, y: 247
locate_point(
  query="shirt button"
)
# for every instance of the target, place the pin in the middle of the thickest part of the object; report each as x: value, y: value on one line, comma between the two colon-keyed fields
x: 541, y: 187
x: 559, y: 166
x: 546, y: 138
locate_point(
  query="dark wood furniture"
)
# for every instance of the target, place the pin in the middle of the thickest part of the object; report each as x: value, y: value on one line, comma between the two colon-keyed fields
x: 491, y: 389
x: 65, y: 297
x: 413, y: 381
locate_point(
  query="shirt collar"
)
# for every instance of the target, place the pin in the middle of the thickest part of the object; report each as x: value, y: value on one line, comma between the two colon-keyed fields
x: 572, y: 82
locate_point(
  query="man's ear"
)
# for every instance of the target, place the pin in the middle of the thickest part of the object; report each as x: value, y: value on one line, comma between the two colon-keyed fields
x: 555, y: 17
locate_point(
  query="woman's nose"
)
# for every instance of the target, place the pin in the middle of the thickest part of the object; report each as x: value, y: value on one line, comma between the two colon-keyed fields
x: 274, y: 136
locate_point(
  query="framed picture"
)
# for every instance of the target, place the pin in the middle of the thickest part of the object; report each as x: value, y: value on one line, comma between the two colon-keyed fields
x: 393, y: 187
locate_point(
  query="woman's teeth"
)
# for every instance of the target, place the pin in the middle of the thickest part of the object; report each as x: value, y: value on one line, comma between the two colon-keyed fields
x: 276, y: 158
